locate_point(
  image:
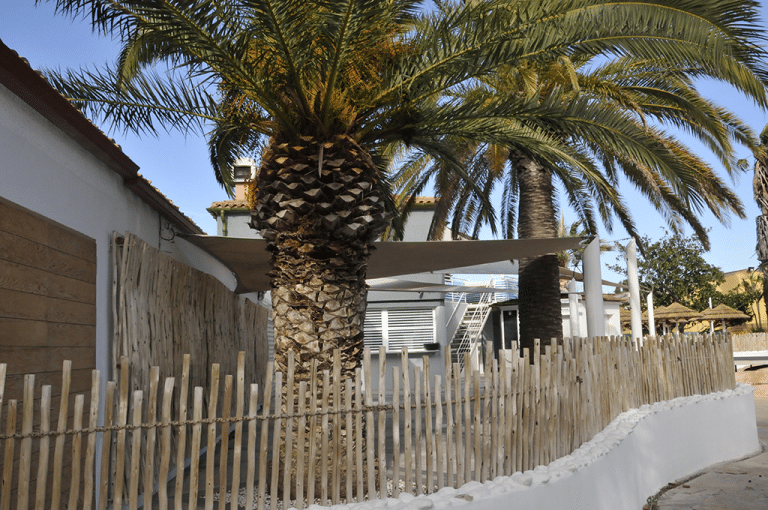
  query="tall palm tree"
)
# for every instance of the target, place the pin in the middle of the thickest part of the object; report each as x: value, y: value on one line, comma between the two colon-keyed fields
x: 321, y: 88
x: 760, y: 188
x: 611, y: 110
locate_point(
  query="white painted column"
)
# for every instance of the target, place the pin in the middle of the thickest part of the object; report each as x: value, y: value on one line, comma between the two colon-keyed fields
x: 634, y: 291
x: 651, y: 318
x: 593, y: 290
x: 573, y: 309
x: 711, y: 323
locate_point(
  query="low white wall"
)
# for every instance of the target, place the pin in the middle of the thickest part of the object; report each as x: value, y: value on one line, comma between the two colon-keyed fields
x: 636, y: 455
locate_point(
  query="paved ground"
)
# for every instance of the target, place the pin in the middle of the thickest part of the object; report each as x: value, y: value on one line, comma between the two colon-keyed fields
x: 740, y: 485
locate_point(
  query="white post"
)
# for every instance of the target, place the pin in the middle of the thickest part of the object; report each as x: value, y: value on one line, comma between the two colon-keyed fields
x: 651, y: 317
x: 711, y: 323
x: 634, y: 292
x: 593, y: 290
x: 573, y: 309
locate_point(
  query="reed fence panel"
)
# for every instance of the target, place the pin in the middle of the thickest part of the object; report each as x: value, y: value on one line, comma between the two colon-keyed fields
x: 750, y: 342
x: 296, y: 449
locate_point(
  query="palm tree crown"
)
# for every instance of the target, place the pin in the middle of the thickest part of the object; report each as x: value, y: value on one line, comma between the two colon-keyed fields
x: 320, y: 89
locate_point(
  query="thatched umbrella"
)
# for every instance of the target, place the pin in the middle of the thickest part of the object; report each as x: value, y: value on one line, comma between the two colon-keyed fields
x: 723, y: 312
x: 676, y: 313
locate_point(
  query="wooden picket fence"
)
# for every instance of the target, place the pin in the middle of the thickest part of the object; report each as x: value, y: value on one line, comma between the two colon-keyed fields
x: 750, y: 342
x: 421, y: 432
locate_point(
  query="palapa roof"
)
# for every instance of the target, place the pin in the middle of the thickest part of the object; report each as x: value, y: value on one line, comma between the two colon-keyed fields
x: 722, y: 312
x: 675, y: 312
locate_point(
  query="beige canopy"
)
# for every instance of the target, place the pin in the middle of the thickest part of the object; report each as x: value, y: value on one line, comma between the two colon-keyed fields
x: 248, y: 259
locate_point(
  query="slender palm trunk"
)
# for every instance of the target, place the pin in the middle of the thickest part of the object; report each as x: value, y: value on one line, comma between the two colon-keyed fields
x: 760, y: 190
x: 540, y: 310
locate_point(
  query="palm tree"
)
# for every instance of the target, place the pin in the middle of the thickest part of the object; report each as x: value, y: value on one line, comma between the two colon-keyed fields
x: 321, y: 89
x: 760, y: 188
x: 607, y: 108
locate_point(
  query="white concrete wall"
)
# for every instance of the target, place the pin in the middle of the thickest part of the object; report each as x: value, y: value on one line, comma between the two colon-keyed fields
x: 631, y: 459
x: 44, y: 170
x: 611, y: 312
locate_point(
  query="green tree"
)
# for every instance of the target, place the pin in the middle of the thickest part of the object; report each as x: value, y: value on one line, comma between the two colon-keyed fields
x: 675, y: 271
x: 611, y: 113
x: 321, y: 89
x: 744, y: 296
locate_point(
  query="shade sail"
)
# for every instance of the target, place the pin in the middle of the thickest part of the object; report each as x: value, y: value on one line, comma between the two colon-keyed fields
x: 391, y: 285
x: 248, y: 259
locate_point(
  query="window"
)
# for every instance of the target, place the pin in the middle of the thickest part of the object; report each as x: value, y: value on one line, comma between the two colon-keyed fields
x: 395, y: 328
x: 242, y: 173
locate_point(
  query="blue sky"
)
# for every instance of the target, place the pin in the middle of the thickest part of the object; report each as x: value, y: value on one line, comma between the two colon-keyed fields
x: 179, y: 167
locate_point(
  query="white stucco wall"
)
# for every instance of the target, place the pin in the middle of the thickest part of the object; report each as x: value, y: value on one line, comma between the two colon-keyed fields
x: 631, y: 459
x: 47, y: 172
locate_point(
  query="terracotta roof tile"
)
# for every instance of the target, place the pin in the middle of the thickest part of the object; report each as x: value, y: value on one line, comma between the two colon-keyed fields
x: 228, y: 205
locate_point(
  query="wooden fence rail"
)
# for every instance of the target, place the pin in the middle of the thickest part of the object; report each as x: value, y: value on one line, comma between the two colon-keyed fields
x: 254, y: 447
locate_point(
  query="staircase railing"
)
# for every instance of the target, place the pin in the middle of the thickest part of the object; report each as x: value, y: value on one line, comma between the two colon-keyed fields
x: 468, y: 334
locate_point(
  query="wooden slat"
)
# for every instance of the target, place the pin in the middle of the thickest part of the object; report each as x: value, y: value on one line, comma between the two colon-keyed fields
x: 25, y: 463
x: 58, y: 454
x: 276, y: 431
x: 300, y: 445
x: 439, y: 448
x: 324, y: 441
x: 237, y: 451
x: 370, y: 429
x: 22, y: 305
x: 182, y: 436
x: 194, y: 466
x: 14, y: 248
x: 349, y: 451
x: 429, y: 448
x: 210, y: 457
x: 133, y: 492
x: 467, y: 418
x: 395, y: 432
x: 478, y: 428
x: 289, y: 405
x: 312, y: 454
x: 90, y: 449
x: 31, y: 280
x: 382, y: 450
x: 418, y: 480
x: 336, y: 446
x: 109, y: 408
x: 251, y: 469
x: 10, y: 446
x: 151, y: 437
x: 42, y: 462
x: 226, y: 409
x: 407, y: 424
x: 165, y: 444
x: 458, y: 423
x: 450, y: 451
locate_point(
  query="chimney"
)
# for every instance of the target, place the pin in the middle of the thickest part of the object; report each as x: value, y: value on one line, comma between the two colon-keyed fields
x: 242, y: 172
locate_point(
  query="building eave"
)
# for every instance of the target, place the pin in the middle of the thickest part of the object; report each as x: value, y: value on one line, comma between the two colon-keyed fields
x: 31, y: 87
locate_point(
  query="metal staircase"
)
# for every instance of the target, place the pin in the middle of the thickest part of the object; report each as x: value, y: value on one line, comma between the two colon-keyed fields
x: 469, y: 334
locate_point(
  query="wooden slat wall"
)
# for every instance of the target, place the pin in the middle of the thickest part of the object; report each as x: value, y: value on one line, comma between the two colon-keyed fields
x: 47, y: 312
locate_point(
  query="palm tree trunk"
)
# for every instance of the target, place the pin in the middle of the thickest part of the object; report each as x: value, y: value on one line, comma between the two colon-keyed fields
x: 540, y: 309
x: 320, y: 207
